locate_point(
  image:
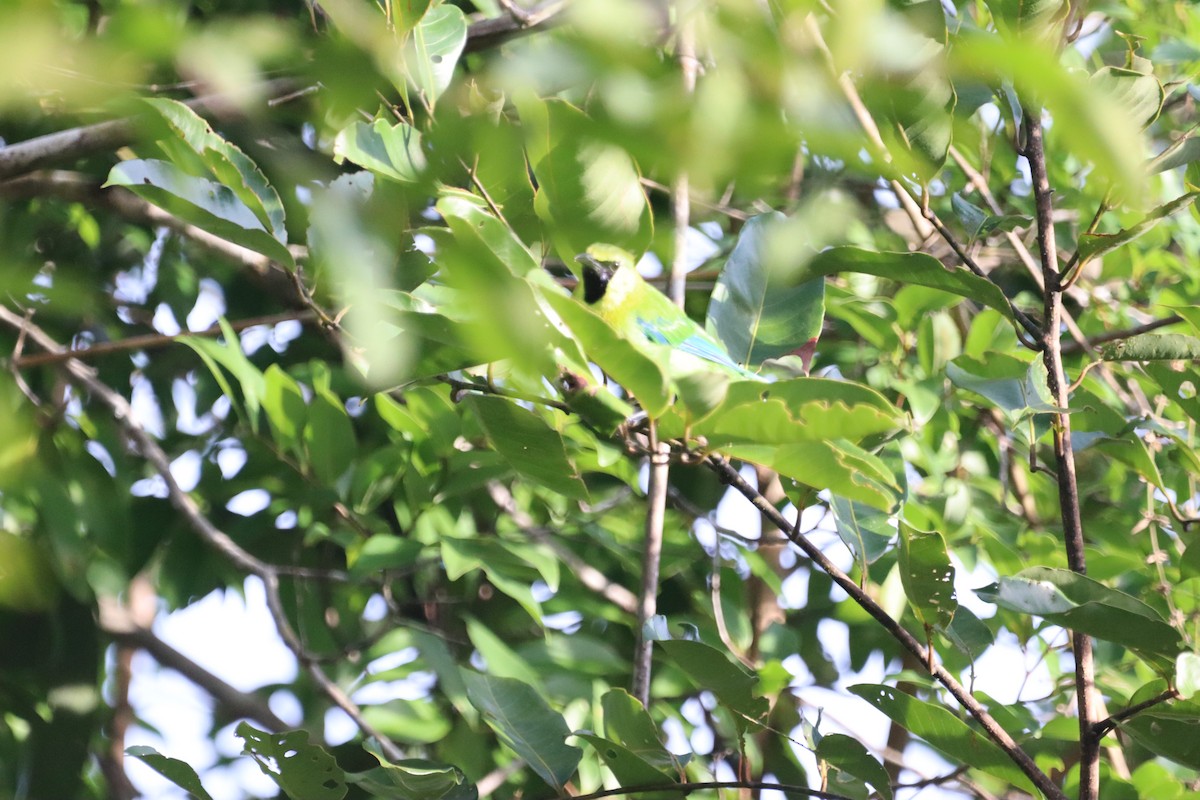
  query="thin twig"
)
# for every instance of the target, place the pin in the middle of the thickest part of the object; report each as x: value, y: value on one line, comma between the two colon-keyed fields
x: 1070, y: 348
x: 991, y: 727
x: 656, y: 507
x: 1101, y: 728
x: 152, y: 341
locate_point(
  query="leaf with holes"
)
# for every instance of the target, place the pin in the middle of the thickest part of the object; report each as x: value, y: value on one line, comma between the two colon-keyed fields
x: 305, y: 771
x: 927, y: 575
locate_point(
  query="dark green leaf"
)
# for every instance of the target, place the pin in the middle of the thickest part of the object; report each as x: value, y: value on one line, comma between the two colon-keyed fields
x: 757, y: 312
x: 1168, y: 729
x: 627, y: 723
x: 532, y: 447
x: 329, y: 438
x: 867, y: 531
x: 927, y: 575
x: 629, y: 768
x: 524, y: 723
x: 178, y: 772
x: 710, y: 669
x: 849, y: 755
x: 1153, y: 347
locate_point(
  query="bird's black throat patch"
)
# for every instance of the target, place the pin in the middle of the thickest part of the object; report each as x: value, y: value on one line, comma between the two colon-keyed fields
x: 596, y: 275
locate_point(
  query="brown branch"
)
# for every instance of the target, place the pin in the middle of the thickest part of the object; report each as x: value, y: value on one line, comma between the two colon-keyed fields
x: 990, y: 726
x: 1101, y: 728
x: 85, y: 376
x: 74, y: 143
x: 656, y: 505
x: 118, y: 623
x: 488, y: 33
x: 1068, y: 486
x: 152, y: 341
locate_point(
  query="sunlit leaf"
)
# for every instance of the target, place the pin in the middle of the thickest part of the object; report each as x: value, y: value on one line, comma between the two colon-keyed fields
x: 393, y: 151
x: 305, y: 771
x: 178, y: 772
x: 928, y: 575
x: 850, y: 756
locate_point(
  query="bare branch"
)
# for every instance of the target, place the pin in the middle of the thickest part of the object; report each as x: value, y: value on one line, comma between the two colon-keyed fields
x: 488, y: 33
x: 685, y: 789
x: 1101, y: 728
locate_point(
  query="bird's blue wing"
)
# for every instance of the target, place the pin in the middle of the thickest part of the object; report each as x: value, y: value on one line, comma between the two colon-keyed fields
x: 696, y: 344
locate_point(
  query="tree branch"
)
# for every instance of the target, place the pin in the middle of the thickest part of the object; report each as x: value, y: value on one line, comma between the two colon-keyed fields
x: 61, y: 146
x: 990, y: 726
x: 84, y: 376
x: 488, y: 33
x: 118, y: 623
x: 1101, y: 728
x: 1068, y: 487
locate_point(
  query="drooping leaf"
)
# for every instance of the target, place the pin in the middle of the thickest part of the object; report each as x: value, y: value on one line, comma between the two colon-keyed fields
x: 229, y: 355
x: 629, y: 768
x: 978, y: 222
x: 532, y: 447
x: 1167, y: 729
x: 305, y: 771
x: 208, y: 205
x: 627, y: 723
x: 945, y: 732
x: 194, y: 140
x: 329, y: 438
x: 284, y: 404
x: 837, y: 465
x: 927, y: 575
x: 414, y: 779
x: 850, y: 756
x: 757, y: 312
x: 867, y: 531
x: 526, y: 725
x: 433, y: 48
x: 178, y: 772
x: 710, y: 669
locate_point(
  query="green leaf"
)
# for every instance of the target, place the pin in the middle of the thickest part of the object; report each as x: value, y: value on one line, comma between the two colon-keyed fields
x: 796, y: 410
x: 978, y: 222
x: 178, y: 772
x: 284, y: 403
x: 710, y: 669
x: 413, y: 779
x: 627, y: 723
x: 944, y: 732
x: 1081, y: 604
x: 841, y: 467
x: 627, y: 767
x: 329, y: 438
x: 393, y: 151
x: 228, y: 354
x: 1153, y: 347
x: 588, y: 190
x: 384, y: 551
x: 849, y: 755
x: 1026, y: 17
x: 867, y: 531
x: 915, y: 268
x: 526, y: 725
x: 757, y: 311
x: 407, y: 13
x: 221, y: 160
x: 528, y: 443
x: 1094, y: 245
x: 433, y: 49
x: 305, y: 771
x: 1187, y: 675
x: 1166, y: 729
x: 1139, y: 94
x: 1016, y: 387
x: 1181, y: 152
x: 208, y: 205
x: 927, y: 575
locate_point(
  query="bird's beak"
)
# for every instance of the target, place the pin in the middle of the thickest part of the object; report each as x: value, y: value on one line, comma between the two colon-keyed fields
x: 596, y: 275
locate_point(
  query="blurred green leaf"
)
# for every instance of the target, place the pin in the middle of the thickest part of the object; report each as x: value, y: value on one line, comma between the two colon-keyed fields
x: 178, y: 772
x: 849, y: 755
x: 1153, y: 347
x: 710, y: 669
x: 532, y: 447
x: 433, y: 48
x: 393, y: 151
x: 1187, y: 675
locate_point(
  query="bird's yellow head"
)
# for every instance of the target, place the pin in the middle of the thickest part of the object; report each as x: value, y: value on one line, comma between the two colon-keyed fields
x: 609, y: 275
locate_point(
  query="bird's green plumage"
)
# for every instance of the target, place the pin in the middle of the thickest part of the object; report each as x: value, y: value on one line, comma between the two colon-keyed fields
x: 612, y: 287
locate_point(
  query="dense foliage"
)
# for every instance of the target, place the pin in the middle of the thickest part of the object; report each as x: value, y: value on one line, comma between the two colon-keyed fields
x: 438, y: 460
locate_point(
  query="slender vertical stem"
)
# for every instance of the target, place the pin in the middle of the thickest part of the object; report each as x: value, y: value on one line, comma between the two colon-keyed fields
x: 1068, y: 487
x: 656, y: 507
